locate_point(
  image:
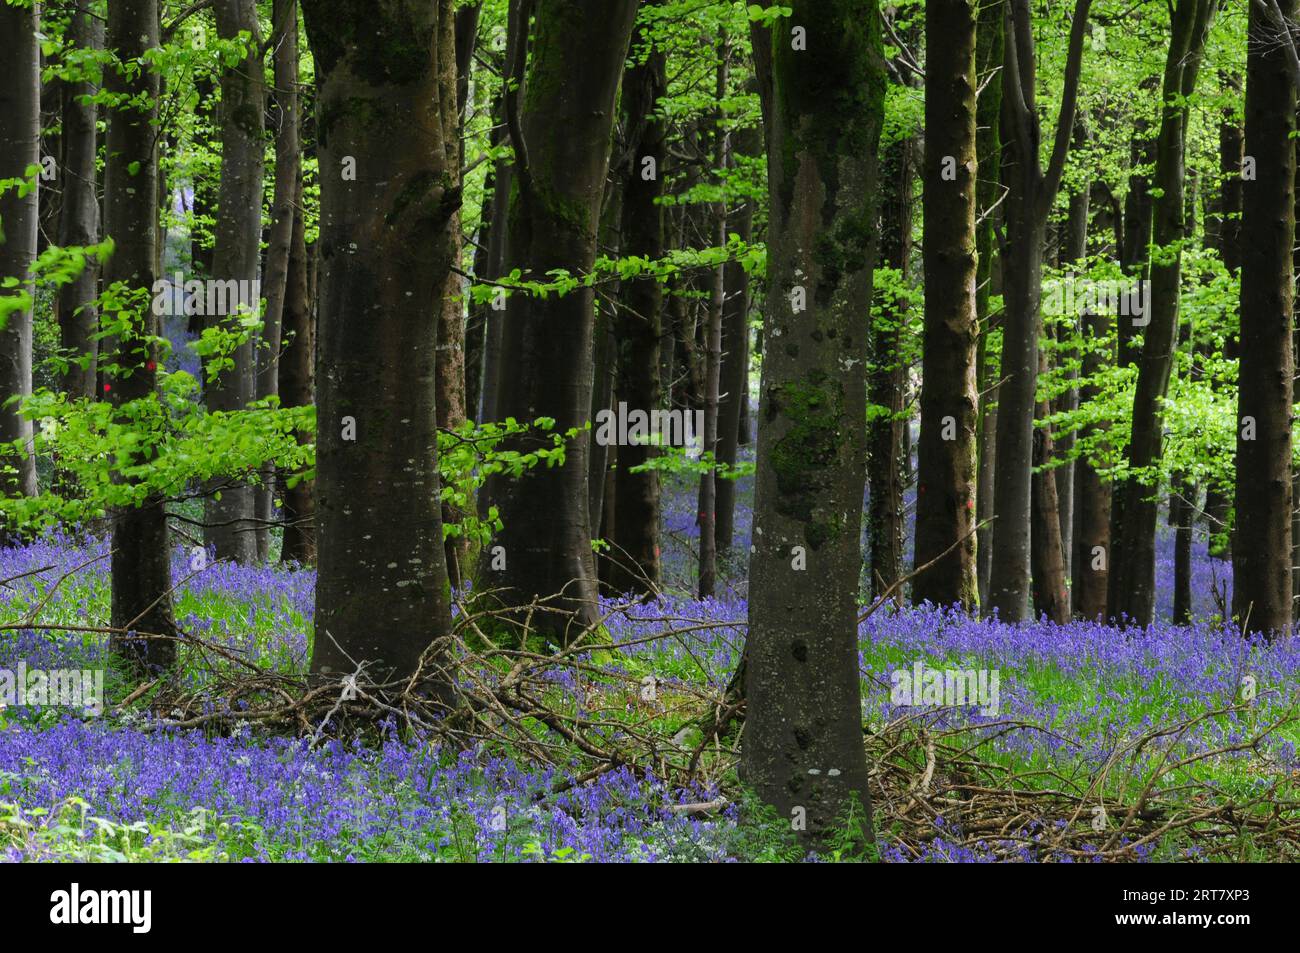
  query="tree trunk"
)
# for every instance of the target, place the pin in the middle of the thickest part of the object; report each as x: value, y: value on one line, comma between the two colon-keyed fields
x: 735, y: 354
x: 988, y: 194
x: 449, y: 370
x: 603, y: 347
x: 229, y: 530
x: 387, y: 215
x: 887, y: 376
x: 945, y: 503
x: 1031, y: 193
x: 79, y: 217
x: 288, y: 165
x: 1295, y: 358
x: 141, y: 560
x: 546, y: 349
x: 1224, y: 227
x: 634, y: 564
x: 1051, y: 599
x: 1089, y: 566
x: 297, y: 390
x: 20, y: 137
x: 493, y: 317
x: 802, y: 750
x: 1074, y: 246
x: 1181, y: 510
x: 476, y: 323
x: 1132, y: 572
x: 203, y: 206
x: 1261, y: 552
x: 708, y: 492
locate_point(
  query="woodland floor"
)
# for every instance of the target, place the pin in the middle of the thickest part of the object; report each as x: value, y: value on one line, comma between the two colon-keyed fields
x: 1108, y: 744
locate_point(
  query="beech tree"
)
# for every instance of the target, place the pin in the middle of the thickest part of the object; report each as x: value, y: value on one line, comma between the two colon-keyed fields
x: 887, y: 364
x: 285, y: 200
x: 294, y: 366
x: 802, y: 750
x: 387, y: 211
x: 945, y: 506
x: 229, y: 513
x: 141, y: 548
x: 735, y: 350
x: 988, y: 147
x: 579, y: 48
x: 1031, y: 192
x: 634, y: 563
x: 1132, y: 569
x: 19, y: 153
x: 1261, y: 551
x: 78, y: 306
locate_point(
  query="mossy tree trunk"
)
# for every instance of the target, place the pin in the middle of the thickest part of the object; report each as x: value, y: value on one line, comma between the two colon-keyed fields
x: 579, y: 48
x: 802, y: 750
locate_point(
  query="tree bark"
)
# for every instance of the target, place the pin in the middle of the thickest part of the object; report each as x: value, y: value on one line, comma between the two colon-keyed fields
x: 988, y: 194
x: 382, y: 592
x: 634, y: 561
x: 735, y: 354
x: 603, y: 345
x: 708, y: 490
x: 887, y: 376
x: 288, y: 165
x: 1261, y: 552
x: 1132, y: 571
x: 1181, y: 510
x: 802, y: 750
x: 79, y: 217
x: 20, y: 137
x: 1074, y: 246
x: 1223, y: 226
x: 578, y: 53
x: 493, y: 263
x: 230, y: 524
x: 945, y: 503
x: 141, y: 560
x: 449, y: 371
x: 297, y: 390
x: 1051, y: 599
x: 1031, y: 193
x: 1089, y: 566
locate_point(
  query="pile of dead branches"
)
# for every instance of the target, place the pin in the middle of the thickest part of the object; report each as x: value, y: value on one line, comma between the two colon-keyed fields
x: 585, y: 708
x: 938, y: 786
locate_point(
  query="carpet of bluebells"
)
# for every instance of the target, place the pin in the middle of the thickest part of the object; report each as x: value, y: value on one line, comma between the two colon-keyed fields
x: 114, y: 787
